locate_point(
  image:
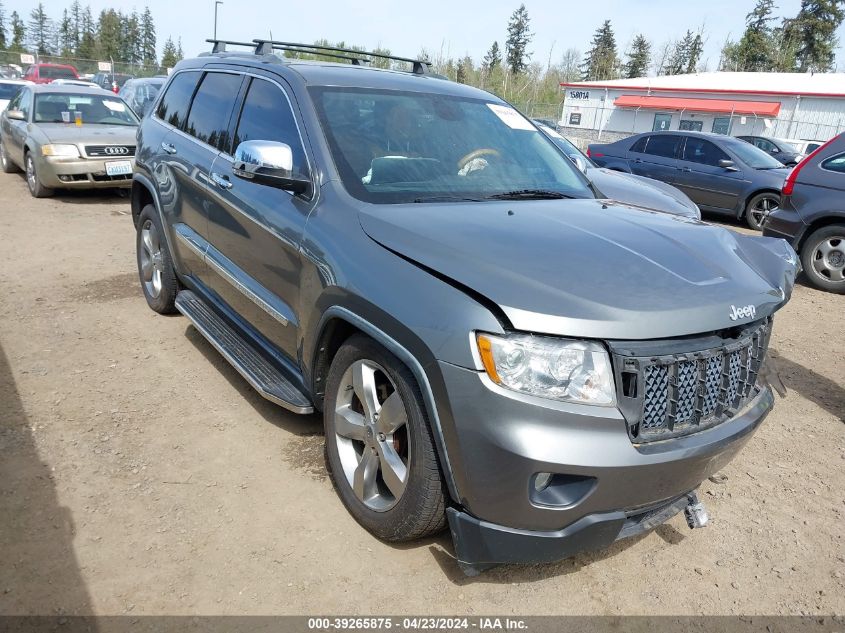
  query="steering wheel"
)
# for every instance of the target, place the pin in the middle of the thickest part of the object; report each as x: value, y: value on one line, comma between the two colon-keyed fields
x: 477, y: 153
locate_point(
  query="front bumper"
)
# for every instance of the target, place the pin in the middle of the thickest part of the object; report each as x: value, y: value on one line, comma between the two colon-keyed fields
x: 79, y: 173
x: 602, y: 479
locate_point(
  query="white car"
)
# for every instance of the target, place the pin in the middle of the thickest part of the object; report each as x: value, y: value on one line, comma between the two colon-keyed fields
x: 75, y: 82
x: 805, y: 147
x: 8, y: 89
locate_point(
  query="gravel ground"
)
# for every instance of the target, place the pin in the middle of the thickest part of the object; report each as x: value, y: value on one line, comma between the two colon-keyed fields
x: 140, y: 474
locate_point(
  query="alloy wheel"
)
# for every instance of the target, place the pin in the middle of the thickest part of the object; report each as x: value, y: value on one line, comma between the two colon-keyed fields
x: 371, y: 433
x: 829, y: 259
x: 152, y: 261
x: 31, y: 177
x: 764, y: 206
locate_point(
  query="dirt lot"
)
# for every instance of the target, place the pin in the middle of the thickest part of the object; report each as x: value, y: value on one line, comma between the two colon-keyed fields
x: 140, y: 474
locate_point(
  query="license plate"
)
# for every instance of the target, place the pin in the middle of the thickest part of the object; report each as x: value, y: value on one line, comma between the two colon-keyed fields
x: 119, y: 168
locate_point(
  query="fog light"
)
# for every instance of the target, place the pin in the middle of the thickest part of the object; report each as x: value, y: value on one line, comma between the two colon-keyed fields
x: 542, y: 481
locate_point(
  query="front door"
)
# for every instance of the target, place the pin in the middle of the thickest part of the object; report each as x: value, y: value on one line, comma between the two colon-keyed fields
x: 256, y: 229
x: 702, y: 178
x: 14, y: 132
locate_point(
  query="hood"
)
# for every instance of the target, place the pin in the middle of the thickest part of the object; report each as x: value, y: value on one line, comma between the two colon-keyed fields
x: 642, y: 192
x: 592, y: 268
x: 89, y: 134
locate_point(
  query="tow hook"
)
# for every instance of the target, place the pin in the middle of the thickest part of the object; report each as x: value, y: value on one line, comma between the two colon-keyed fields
x: 695, y: 512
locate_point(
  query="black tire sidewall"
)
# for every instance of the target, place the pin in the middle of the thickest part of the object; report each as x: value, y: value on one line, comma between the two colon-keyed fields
x: 165, y: 302
x: 423, y: 496
x: 7, y: 165
x: 807, y: 251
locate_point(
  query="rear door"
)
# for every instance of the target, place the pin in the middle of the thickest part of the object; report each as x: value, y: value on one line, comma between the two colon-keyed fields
x: 256, y: 229
x: 703, y: 180
x: 655, y: 156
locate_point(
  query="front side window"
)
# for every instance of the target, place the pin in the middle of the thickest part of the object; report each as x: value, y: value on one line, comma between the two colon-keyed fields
x: 664, y: 145
x: 25, y: 102
x: 699, y: 150
x: 93, y: 110
x: 836, y: 163
x: 267, y: 116
x: 15, y: 103
x: 394, y: 147
x: 763, y: 144
x: 208, y: 119
x: 173, y: 108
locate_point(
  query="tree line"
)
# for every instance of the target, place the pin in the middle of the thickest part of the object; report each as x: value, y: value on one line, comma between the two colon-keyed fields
x: 114, y: 35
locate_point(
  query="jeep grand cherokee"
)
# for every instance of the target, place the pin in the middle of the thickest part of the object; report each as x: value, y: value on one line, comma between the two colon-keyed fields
x: 490, y: 343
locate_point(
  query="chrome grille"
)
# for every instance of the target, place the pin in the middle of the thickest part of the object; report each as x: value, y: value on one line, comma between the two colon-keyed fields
x: 110, y: 151
x: 681, y: 392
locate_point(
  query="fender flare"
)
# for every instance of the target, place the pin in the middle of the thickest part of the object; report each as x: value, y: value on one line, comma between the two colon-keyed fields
x: 395, y: 348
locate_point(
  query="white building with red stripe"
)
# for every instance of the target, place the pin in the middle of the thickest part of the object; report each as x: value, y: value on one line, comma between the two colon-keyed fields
x: 800, y: 106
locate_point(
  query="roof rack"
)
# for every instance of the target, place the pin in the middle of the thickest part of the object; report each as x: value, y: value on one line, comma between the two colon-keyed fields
x: 420, y: 66
x: 220, y: 45
x: 356, y: 60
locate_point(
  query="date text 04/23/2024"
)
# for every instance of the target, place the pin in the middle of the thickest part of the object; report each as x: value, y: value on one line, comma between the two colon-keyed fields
x: 416, y: 624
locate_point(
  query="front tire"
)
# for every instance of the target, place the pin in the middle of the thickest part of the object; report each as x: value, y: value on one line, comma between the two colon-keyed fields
x: 155, y: 265
x: 36, y: 189
x: 823, y: 258
x: 379, y: 447
x: 5, y: 162
x: 759, y: 207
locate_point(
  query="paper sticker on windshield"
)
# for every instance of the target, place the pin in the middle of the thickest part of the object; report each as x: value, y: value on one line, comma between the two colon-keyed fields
x: 510, y: 117
x: 114, y: 106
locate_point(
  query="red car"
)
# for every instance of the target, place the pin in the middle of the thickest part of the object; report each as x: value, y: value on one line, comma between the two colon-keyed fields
x: 45, y: 73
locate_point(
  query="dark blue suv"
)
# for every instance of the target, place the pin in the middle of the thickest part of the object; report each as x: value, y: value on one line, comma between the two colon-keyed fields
x: 721, y: 174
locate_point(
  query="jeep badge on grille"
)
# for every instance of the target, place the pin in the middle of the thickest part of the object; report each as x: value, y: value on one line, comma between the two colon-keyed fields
x: 742, y: 313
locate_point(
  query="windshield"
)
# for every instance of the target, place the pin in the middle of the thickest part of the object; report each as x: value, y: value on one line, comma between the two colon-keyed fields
x: 7, y: 91
x: 57, y: 72
x: 94, y: 110
x: 753, y: 156
x: 396, y: 147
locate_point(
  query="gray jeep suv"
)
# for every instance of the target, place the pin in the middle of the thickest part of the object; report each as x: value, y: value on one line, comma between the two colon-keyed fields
x: 488, y: 343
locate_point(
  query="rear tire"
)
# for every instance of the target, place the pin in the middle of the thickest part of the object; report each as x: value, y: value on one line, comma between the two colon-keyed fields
x: 155, y: 265
x: 823, y: 258
x: 5, y: 162
x: 384, y: 466
x: 36, y: 189
x: 758, y: 207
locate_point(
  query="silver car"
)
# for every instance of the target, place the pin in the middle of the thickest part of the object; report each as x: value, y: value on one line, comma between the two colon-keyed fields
x: 68, y: 137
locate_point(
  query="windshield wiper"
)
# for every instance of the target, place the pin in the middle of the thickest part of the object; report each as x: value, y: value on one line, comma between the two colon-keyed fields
x: 530, y: 194
x: 447, y: 199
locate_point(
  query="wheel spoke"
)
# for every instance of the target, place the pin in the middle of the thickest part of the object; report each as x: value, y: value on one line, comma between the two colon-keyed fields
x: 156, y: 282
x: 146, y: 268
x: 825, y: 248
x: 393, y: 469
x: 147, y: 240
x: 392, y: 415
x: 820, y: 265
x: 349, y: 424
x: 364, y: 383
x: 836, y: 274
x: 364, y: 479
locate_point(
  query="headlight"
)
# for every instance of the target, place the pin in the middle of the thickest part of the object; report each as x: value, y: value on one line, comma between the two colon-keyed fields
x: 560, y: 369
x: 61, y: 151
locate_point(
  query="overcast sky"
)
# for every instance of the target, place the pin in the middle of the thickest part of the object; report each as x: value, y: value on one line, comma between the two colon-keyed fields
x: 456, y: 27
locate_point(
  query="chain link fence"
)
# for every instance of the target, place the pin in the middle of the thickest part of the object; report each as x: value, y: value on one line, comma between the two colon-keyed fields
x: 83, y: 66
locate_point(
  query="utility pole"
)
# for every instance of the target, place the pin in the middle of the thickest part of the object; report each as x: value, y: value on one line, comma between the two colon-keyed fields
x: 216, y: 4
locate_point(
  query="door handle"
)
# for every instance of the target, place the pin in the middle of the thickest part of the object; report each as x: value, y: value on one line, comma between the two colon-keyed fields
x: 685, y: 169
x: 638, y: 160
x: 168, y: 148
x: 221, y: 181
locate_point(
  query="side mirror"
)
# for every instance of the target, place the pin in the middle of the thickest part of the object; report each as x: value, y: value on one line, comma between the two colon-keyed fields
x: 269, y: 163
x: 580, y: 163
x: 16, y: 115
x: 727, y: 164
x: 775, y: 150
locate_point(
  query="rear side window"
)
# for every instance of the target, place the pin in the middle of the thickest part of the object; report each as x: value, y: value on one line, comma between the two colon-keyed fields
x: 699, y: 150
x: 836, y: 163
x: 662, y: 145
x: 174, y: 106
x: 208, y: 120
x: 267, y: 116
x: 639, y: 146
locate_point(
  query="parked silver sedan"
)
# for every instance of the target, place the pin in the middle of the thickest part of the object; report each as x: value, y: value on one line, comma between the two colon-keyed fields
x: 68, y: 137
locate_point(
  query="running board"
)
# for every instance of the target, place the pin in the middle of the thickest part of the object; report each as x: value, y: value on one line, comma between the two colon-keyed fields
x: 256, y: 370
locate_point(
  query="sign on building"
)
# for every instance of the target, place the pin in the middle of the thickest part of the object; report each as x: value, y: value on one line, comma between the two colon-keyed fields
x: 579, y: 95
x: 104, y: 67
x: 574, y: 118
x: 27, y: 59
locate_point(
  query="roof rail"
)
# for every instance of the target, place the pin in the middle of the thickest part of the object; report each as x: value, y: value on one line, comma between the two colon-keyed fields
x: 356, y: 61
x: 420, y: 66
